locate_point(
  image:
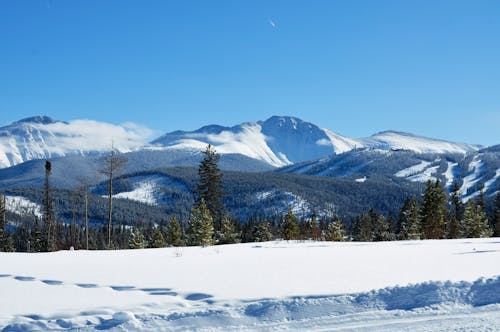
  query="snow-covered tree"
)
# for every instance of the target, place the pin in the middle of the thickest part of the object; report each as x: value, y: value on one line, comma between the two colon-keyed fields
x: 36, y: 238
x: 200, y: 230
x: 380, y: 227
x: 228, y: 233
x: 336, y: 230
x: 409, y: 220
x: 474, y: 223
x: 157, y: 240
x: 6, y: 241
x: 262, y: 232
x: 137, y: 240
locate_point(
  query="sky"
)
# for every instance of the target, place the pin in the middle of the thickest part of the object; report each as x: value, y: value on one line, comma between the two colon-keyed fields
x: 355, y: 67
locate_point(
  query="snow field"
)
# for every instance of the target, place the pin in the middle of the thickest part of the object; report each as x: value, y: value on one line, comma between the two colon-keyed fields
x: 257, y: 286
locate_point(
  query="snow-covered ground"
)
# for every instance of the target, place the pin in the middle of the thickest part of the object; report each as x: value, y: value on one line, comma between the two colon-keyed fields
x: 441, y: 285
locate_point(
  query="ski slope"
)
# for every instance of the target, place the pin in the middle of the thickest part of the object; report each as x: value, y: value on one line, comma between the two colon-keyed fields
x: 429, y: 285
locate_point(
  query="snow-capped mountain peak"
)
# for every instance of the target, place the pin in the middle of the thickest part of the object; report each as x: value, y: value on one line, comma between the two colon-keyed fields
x: 42, y: 137
x: 285, y: 140
x: 279, y: 140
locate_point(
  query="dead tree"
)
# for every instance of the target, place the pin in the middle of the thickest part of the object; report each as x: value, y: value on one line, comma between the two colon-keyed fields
x: 112, y: 164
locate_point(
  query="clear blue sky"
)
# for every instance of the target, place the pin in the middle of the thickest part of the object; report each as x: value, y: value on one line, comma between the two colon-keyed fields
x: 355, y: 67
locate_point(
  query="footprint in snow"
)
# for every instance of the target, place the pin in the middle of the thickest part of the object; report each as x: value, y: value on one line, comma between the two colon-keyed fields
x: 87, y: 285
x: 52, y: 282
x: 122, y: 288
x: 22, y: 278
x: 197, y: 297
x: 149, y: 290
x: 163, y: 293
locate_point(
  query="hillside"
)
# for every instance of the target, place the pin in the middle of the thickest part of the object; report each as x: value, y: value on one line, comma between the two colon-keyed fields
x: 155, y: 195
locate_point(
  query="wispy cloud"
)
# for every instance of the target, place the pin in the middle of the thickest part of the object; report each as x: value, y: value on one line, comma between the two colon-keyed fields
x: 90, y: 135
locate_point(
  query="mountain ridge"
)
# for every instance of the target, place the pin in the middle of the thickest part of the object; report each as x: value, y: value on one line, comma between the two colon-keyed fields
x: 277, y: 141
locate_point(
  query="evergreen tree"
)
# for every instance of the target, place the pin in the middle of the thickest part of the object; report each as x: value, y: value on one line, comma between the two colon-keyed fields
x: 362, y: 229
x: 3, y: 222
x: 209, y: 188
x: 474, y: 224
x: 290, y: 227
x: 262, y: 232
x: 496, y: 215
x: 228, y: 233
x: 336, y: 230
x: 6, y: 240
x: 200, y: 229
x: 393, y: 225
x: 434, y: 211
x: 137, y: 239
x: 409, y: 220
x: 314, y: 228
x: 456, y: 213
x: 36, y: 238
x: 173, y: 233
x: 380, y: 227
x: 157, y: 240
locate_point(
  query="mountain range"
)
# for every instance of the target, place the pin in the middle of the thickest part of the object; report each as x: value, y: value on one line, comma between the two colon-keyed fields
x: 301, y: 151
x: 278, y: 141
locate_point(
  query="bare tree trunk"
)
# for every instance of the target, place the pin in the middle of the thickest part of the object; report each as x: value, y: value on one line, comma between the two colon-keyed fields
x: 86, y: 219
x: 112, y: 164
x: 110, y: 216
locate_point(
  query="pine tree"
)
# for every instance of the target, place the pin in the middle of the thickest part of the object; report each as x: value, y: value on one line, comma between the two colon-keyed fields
x: 158, y: 241
x: 228, y: 233
x: 409, y: 220
x: 434, y: 211
x: 137, y: 239
x: 200, y: 227
x: 474, y: 224
x: 314, y: 227
x: 290, y: 227
x: 3, y: 222
x: 380, y: 227
x: 262, y: 232
x: 456, y: 213
x: 496, y: 215
x: 362, y: 229
x: 209, y: 188
x: 6, y: 240
x: 36, y: 238
x: 336, y: 230
x: 173, y: 233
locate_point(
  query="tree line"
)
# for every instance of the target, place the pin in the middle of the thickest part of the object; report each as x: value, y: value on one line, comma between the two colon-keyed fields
x: 435, y: 215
